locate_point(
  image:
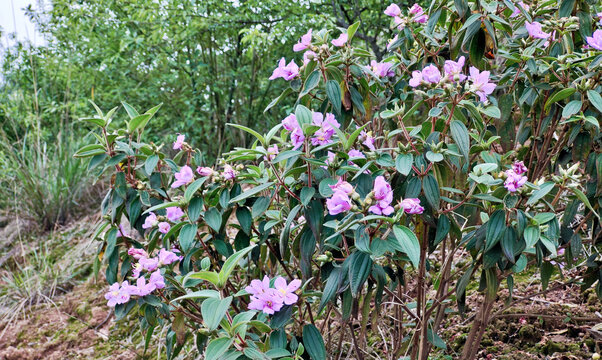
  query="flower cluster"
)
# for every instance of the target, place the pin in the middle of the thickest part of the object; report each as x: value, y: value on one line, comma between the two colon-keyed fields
x: 383, y: 194
x: 381, y: 69
x: 514, y: 176
x: 479, y: 80
x: 340, y: 202
x: 270, y: 300
x: 321, y: 137
x: 173, y: 214
x: 416, y: 15
x: 121, y: 293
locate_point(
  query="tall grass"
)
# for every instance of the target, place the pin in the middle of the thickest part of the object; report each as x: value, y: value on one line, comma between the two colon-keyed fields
x: 39, y: 181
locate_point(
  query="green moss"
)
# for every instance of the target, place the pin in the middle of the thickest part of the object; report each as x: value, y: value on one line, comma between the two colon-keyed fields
x: 529, y: 334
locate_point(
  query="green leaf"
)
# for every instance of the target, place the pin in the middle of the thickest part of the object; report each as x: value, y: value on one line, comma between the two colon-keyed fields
x: 492, y: 111
x: 230, y: 264
x: 250, y: 131
x: 434, y: 339
x: 132, y: 113
x: 571, y: 108
x: 217, y: 347
x: 201, y: 294
x: 214, y: 310
x: 96, y: 121
x: 360, y: 266
x: 531, y: 236
x: 192, y: 188
x: 495, y: 228
x: 306, y: 194
x: 303, y: 115
x: 286, y: 155
x: 260, y: 206
x: 213, y: 218
x: 210, y: 276
x: 333, y: 91
x: 138, y: 122
x: 557, y: 96
x: 351, y: 30
x: 431, y: 190
x: 332, y: 286
x: 250, y: 192
x: 547, y: 270
x: 509, y: 240
x: 89, y: 150
x: 151, y: 163
x: 310, y: 83
x: 187, y: 235
x: 544, y: 189
x: 581, y: 196
x: 243, y: 215
x: 460, y: 135
x: 403, y: 163
x: 273, y: 103
x: 313, y: 342
x: 409, y: 243
x: 161, y: 206
x: 595, y: 99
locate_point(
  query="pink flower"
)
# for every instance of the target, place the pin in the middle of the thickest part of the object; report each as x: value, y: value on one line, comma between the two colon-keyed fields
x: 330, y: 156
x: 338, y: 203
x: 269, y: 302
x: 164, y: 227
x: 383, y: 194
x: 341, y: 40
x: 179, y: 142
x: 516, y: 11
x: 419, y: 15
x: 272, y: 152
x: 323, y: 135
x: 287, y: 72
x: 290, y: 122
x: 367, y: 139
x: 304, y: 43
x: 431, y: 74
x: 519, y: 167
x: 157, y: 280
x: 167, y: 257
x: 174, y: 213
x: 150, y: 221
x: 480, y: 83
x: 382, y: 69
x: 204, y: 171
x: 137, y: 253
x: 392, y: 41
x: 343, y: 186
x: 149, y: 264
x: 287, y: 291
x: 416, y: 79
x: 136, y: 270
x: 142, y: 288
x: 412, y: 206
x: 453, y: 70
x: 258, y: 287
x: 229, y: 173
x: 118, y: 294
x: 514, y: 181
x: 308, y: 56
x: 393, y: 10
x: 400, y: 22
x: 595, y: 40
x: 353, y: 153
x: 535, y: 31
x: 184, y: 177
x: 297, y: 138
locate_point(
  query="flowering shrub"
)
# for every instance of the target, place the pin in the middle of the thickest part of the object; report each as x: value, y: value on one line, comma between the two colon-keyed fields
x: 470, y: 152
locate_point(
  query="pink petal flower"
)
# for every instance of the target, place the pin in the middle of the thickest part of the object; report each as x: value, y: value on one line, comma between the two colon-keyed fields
x: 338, y: 203
x: 304, y: 43
x: 341, y: 40
x: 393, y: 10
x: 179, y: 142
x: 184, y: 177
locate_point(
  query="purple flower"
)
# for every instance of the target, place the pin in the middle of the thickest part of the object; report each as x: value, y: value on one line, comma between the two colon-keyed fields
x: 519, y: 167
x: 412, y: 206
x: 272, y: 152
x: 174, y: 213
x: 167, y: 257
x: 595, y: 40
x: 308, y: 56
x: 258, y: 287
x: 157, y: 280
x: 353, y: 153
x: 229, y: 173
x: 290, y: 122
x: 269, y: 302
x: 179, y: 142
x: 393, y: 10
x: 118, y: 294
x: 204, y: 171
x: 431, y: 74
x: 383, y: 194
x: 136, y: 270
x: 338, y: 203
x: 150, y: 221
x: 480, y: 83
x: 514, y: 181
x: 343, y: 186
x: 323, y: 135
x: 367, y: 139
x: 516, y: 11
x: 400, y: 22
x: 453, y: 70
x: 419, y: 15
x: 297, y: 138
x: 287, y: 291
x: 184, y: 177
x: 137, y: 253
x: 341, y: 40
x: 142, y: 288
x: 164, y: 227
x: 382, y: 69
x: 535, y: 31
x: 416, y: 79
x: 287, y: 72
x: 304, y: 43
x: 392, y: 41
x: 149, y: 264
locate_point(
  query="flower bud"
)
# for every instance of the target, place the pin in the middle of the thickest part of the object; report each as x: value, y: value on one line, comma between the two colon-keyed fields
x: 240, y: 167
x: 355, y: 196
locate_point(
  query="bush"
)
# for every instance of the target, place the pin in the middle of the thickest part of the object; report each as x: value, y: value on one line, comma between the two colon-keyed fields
x: 469, y: 152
